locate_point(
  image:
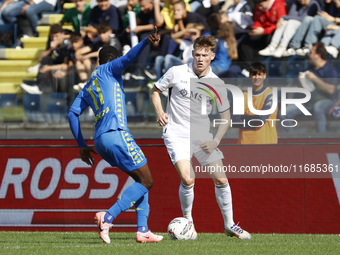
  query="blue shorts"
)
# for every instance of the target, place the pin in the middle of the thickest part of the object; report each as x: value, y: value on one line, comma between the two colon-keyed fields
x: 119, y: 149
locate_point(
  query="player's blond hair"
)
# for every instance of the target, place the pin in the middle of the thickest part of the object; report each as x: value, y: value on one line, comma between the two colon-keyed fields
x: 205, y: 42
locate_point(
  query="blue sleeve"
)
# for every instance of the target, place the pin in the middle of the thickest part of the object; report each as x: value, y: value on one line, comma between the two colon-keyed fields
x: 75, y: 128
x: 118, y: 65
x: 76, y: 109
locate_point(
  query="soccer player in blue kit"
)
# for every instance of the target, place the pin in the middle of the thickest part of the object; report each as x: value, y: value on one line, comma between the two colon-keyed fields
x: 104, y: 93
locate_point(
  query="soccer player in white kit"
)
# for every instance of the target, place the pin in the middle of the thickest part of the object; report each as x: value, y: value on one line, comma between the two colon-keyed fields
x: 186, y: 130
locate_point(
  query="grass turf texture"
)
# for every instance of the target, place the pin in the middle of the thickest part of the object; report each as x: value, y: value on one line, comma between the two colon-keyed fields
x: 124, y: 243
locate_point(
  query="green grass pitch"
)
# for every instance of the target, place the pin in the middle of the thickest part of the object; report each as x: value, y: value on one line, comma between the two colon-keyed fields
x: 124, y: 243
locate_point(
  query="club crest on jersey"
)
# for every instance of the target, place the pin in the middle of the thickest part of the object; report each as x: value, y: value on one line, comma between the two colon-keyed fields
x: 183, y: 92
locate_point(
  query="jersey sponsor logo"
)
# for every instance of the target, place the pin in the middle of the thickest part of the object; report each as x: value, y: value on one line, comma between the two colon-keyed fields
x: 204, y: 101
x: 213, y: 90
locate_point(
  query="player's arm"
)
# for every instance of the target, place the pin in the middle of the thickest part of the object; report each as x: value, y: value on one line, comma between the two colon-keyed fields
x: 222, y: 129
x: 84, y: 150
x: 210, y: 146
x: 162, y: 117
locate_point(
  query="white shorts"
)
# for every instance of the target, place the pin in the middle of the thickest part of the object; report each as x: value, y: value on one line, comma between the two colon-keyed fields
x: 179, y: 148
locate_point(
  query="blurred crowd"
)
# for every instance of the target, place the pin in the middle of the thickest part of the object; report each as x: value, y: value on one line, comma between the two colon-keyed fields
x: 246, y: 31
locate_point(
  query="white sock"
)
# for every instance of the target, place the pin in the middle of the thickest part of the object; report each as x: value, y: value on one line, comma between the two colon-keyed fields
x: 186, y: 196
x: 224, y: 200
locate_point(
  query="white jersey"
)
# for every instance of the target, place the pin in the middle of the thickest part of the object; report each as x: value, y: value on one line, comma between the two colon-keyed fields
x: 191, y: 100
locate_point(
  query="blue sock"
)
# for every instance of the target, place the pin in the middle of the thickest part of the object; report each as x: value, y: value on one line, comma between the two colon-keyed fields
x: 129, y: 197
x: 142, y: 211
x: 108, y: 217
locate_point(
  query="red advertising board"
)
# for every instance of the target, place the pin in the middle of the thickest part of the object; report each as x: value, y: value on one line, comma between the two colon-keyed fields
x: 49, y: 188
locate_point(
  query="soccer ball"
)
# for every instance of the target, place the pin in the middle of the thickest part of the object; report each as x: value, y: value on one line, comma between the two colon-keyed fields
x: 180, y: 229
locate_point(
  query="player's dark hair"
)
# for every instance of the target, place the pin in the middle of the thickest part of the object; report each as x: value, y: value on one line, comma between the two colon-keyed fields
x: 205, y: 41
x: 320, y: 49
x: 107, y: 54
x: 256, y: 68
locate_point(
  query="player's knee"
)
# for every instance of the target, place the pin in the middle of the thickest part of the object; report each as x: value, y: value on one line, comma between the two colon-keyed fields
x: 188, y: 181
x: 221, y: 181
x: 147, y: 183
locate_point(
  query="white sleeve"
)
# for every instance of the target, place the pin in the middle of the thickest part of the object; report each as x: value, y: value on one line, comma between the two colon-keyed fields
x: 166, y: 81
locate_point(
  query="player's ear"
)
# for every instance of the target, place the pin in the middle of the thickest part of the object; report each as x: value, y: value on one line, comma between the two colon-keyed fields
x: 213, y: 56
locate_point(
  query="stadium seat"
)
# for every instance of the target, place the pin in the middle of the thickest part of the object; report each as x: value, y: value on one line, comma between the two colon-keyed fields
x: 17, y: 65
x: 275, y: 69
x: 294, y: 65
x: 57, y: 108
x: 9, y: 109
x: 35, y: 42
x: 23, y: 54
x: 9, y: 88
x: 43, y: 31
x: 11, y: 30
x: 17, y: 77
x: 49, y: 19
x: 8, y: 100
x: 67, y: 6
x: 131, y: 103
x: 32, y: 107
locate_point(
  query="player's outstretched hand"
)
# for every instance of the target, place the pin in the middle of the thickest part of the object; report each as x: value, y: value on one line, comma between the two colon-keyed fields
x: 154, y: 38
x: 85, y: 154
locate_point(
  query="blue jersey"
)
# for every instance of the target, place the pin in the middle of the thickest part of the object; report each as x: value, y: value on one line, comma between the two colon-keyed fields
x: 104, y: 93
